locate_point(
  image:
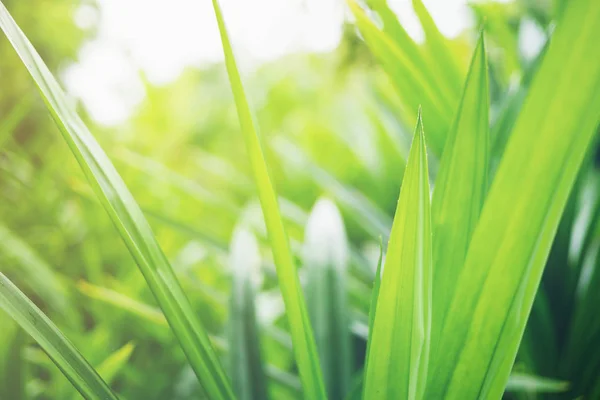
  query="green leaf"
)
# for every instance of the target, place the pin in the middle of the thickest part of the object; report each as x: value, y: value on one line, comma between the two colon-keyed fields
x: 412, y: 80
x: 460, y: 187
x: 510, y: 245
x: 116, y: 361
x: 438, y: 49
x: 536, y: 384
x: 245, y: 359
x: 326, y: 257
x: 12, y: 364
x: 373, y: 309
x: 399, y: 349
x: 415, y: 53
x: 374, y: 220
x: 127, y: 218
x: 66, y: 357
x: 305, y: 348
x: 123, y: 302
x: 35, y: 273
x: 11, y: 121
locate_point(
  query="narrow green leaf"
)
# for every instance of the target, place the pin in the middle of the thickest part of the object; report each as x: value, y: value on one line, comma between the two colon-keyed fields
x: 326, y: 257
x: 127, y: 218
x: 115, y: 362
x: 510, y: 245
x: 123, y: 302
x: 414, y: 52
x: 399, y: 350
x: 35, y: 273
x: 536, y: 384
x: 305, y: 348
x: 410, y: 79
x: 245, y: 359
x: 11, y: 121
x: 375, y: 221
x: 372, y: 311
x: 438, y: 48
x: 66, y: 357
x: 460, y: 187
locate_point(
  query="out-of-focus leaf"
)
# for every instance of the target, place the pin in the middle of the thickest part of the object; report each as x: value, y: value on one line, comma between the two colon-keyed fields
x: 401, y: 330
x: 12, y: 363
x: 439, y: 50
x: 245, y: 358
x: 123, y: 302
x: 373, y: 307
x: 112, y: 364
x: 66, y: 357
x: 305, y: 348
x: 415, y: 53
x: 12, y: 120
x: 126, y: 216
x: 410, y: 79
x: 325, y: 256
x: 537, y: 384
x: 34, y: 272
x: 371, y: 218
x: 511, y: 242
x: 460, y: 187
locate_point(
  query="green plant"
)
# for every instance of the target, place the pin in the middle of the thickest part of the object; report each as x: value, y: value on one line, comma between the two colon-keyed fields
x: 449, y: 307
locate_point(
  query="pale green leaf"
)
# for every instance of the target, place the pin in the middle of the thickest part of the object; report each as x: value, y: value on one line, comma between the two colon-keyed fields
x: 115, y: 362
x: 66, y: 357
x: 537, y: 384
x: 305, y: 348
x: 127, y: 218
x: 510, y: 245
x: 460, y: 187
x: 411, y: 79
x: 35, y: 273
x: 399, y: 350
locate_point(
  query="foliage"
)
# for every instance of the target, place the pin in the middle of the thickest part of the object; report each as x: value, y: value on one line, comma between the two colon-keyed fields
x: 270, y: 237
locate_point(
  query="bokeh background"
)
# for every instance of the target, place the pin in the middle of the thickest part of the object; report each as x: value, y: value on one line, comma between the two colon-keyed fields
x: 148, y: 79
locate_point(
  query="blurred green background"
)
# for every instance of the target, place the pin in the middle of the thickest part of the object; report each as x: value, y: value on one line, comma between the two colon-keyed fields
x: 333, y: 125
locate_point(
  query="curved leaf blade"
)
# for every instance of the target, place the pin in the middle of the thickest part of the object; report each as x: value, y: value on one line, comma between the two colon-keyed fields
x: 126, y: 216
x: 66, y: 357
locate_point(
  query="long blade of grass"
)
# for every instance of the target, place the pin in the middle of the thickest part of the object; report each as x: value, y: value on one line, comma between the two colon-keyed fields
x: 511, y: 242
x: 245, y: 358
x: 460, y: 187
x: 127, y: 218
x: 66, y: 357
x: 305, y: 348
x: 325, y: 256
x: 401, y: 330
